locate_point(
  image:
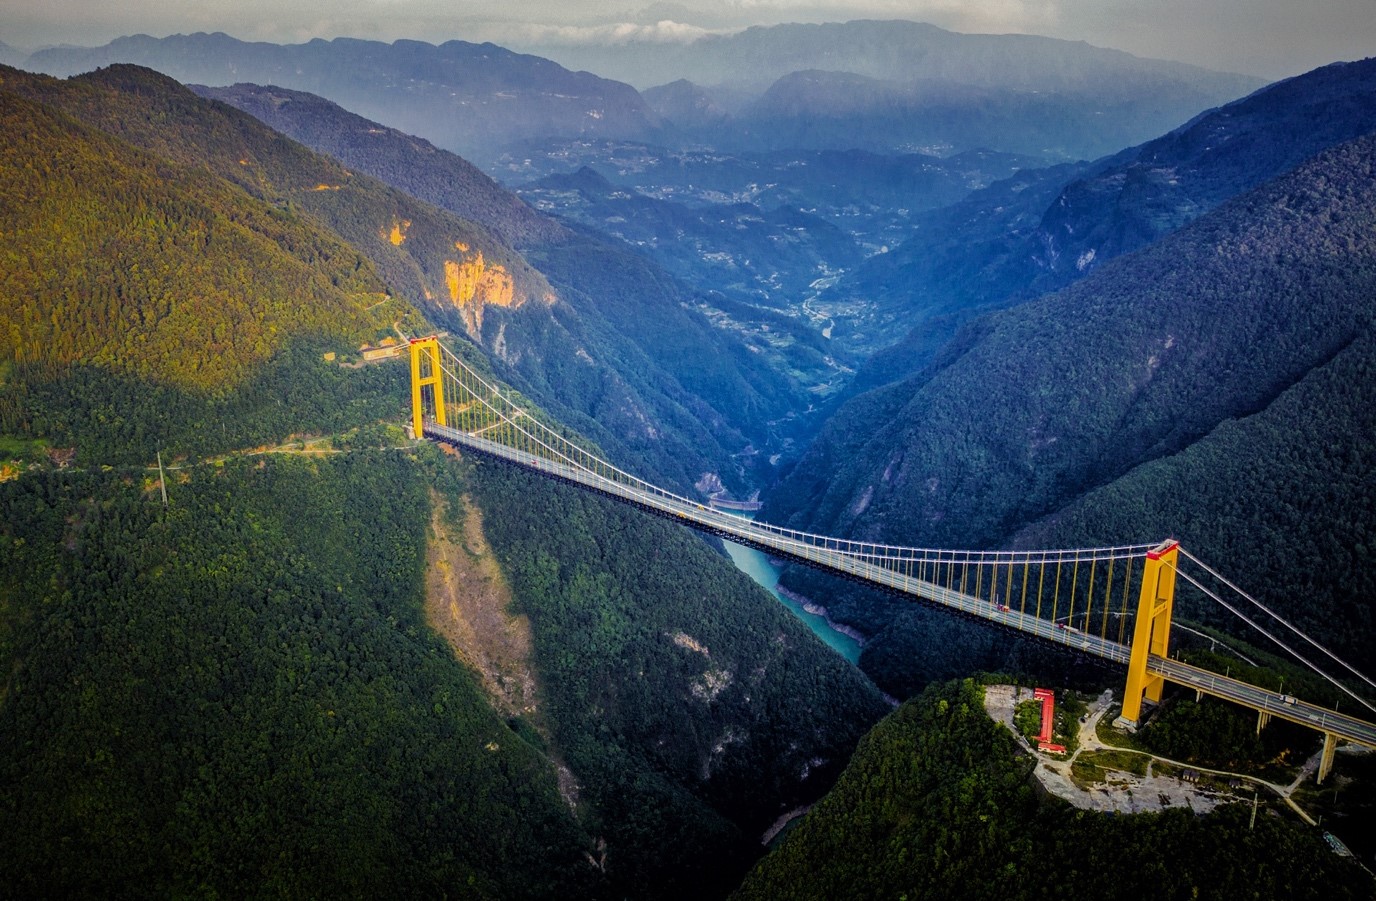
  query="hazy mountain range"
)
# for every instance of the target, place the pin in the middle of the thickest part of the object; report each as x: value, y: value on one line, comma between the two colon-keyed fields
x: 469, y: 98
x: 898, y: 51
x: 9, y: 56
x: 909, y: 85
x: 876, y: 85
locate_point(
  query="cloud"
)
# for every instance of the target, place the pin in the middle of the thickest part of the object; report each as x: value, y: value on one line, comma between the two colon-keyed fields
x: 957, y: 15
x: 662, y: 32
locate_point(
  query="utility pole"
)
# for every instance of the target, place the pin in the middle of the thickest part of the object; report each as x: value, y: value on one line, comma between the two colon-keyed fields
x: 162, y: 479
x: 1253, y: 826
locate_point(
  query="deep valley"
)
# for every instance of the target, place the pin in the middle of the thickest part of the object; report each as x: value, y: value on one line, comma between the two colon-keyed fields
x: 886, y: 285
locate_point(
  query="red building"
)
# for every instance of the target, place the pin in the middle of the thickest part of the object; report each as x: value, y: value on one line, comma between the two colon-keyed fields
x: 1048, y: 699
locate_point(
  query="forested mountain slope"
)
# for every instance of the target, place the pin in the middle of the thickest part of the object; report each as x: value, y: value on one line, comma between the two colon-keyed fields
x: 611, y: 349
x: 1221, y: 343
x: 209, y: 698
x: 693, y: 708
x: 412, y: 164
x: 72, y: 189
x: 1042, y: 230
x: 939, y: 802
x: 151, y: 304
x: 453, y: 268
x: 239, y: 693
x: 622, y: 358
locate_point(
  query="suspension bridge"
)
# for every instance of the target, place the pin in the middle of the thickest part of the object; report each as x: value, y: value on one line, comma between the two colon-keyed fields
x: 1113, y: 603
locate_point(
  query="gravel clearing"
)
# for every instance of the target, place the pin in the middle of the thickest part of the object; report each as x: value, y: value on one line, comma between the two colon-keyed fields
x: 1121, y: 792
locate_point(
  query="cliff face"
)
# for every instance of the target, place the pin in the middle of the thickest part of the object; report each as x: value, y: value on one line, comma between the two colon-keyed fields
x: 473, y: 285
x: 470, y: 281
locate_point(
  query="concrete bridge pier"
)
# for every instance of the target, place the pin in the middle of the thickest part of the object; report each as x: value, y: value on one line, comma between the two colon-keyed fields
x: 1330, y: 744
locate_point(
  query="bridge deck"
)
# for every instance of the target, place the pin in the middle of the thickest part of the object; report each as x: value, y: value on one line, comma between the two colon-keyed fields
x: 744, y: 531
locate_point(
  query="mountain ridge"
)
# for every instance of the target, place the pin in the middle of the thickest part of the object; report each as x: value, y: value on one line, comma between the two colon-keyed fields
x: 452, y: 267
x: 469, y: 98
x: 633, y: 381
x: 1040, y: 231
x: 354, y: 140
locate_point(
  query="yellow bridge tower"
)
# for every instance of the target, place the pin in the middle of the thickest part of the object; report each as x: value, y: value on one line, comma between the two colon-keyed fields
x: 1151, y: 632
x: 426, y: 371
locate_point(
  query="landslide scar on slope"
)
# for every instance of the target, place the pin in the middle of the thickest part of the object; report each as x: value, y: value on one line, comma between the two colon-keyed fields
x: 467, y: 601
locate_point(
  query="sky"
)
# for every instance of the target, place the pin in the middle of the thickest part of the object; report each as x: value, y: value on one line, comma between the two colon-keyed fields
x: 1270, y: 38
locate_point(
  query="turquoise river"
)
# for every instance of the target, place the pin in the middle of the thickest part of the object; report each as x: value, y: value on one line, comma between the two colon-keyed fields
x: 758, y: 567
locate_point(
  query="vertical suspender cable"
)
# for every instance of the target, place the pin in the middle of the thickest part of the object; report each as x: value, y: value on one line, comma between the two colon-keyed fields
x: 1108, y: 599
x: 1089, y: 594
x: 1123, y: 614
